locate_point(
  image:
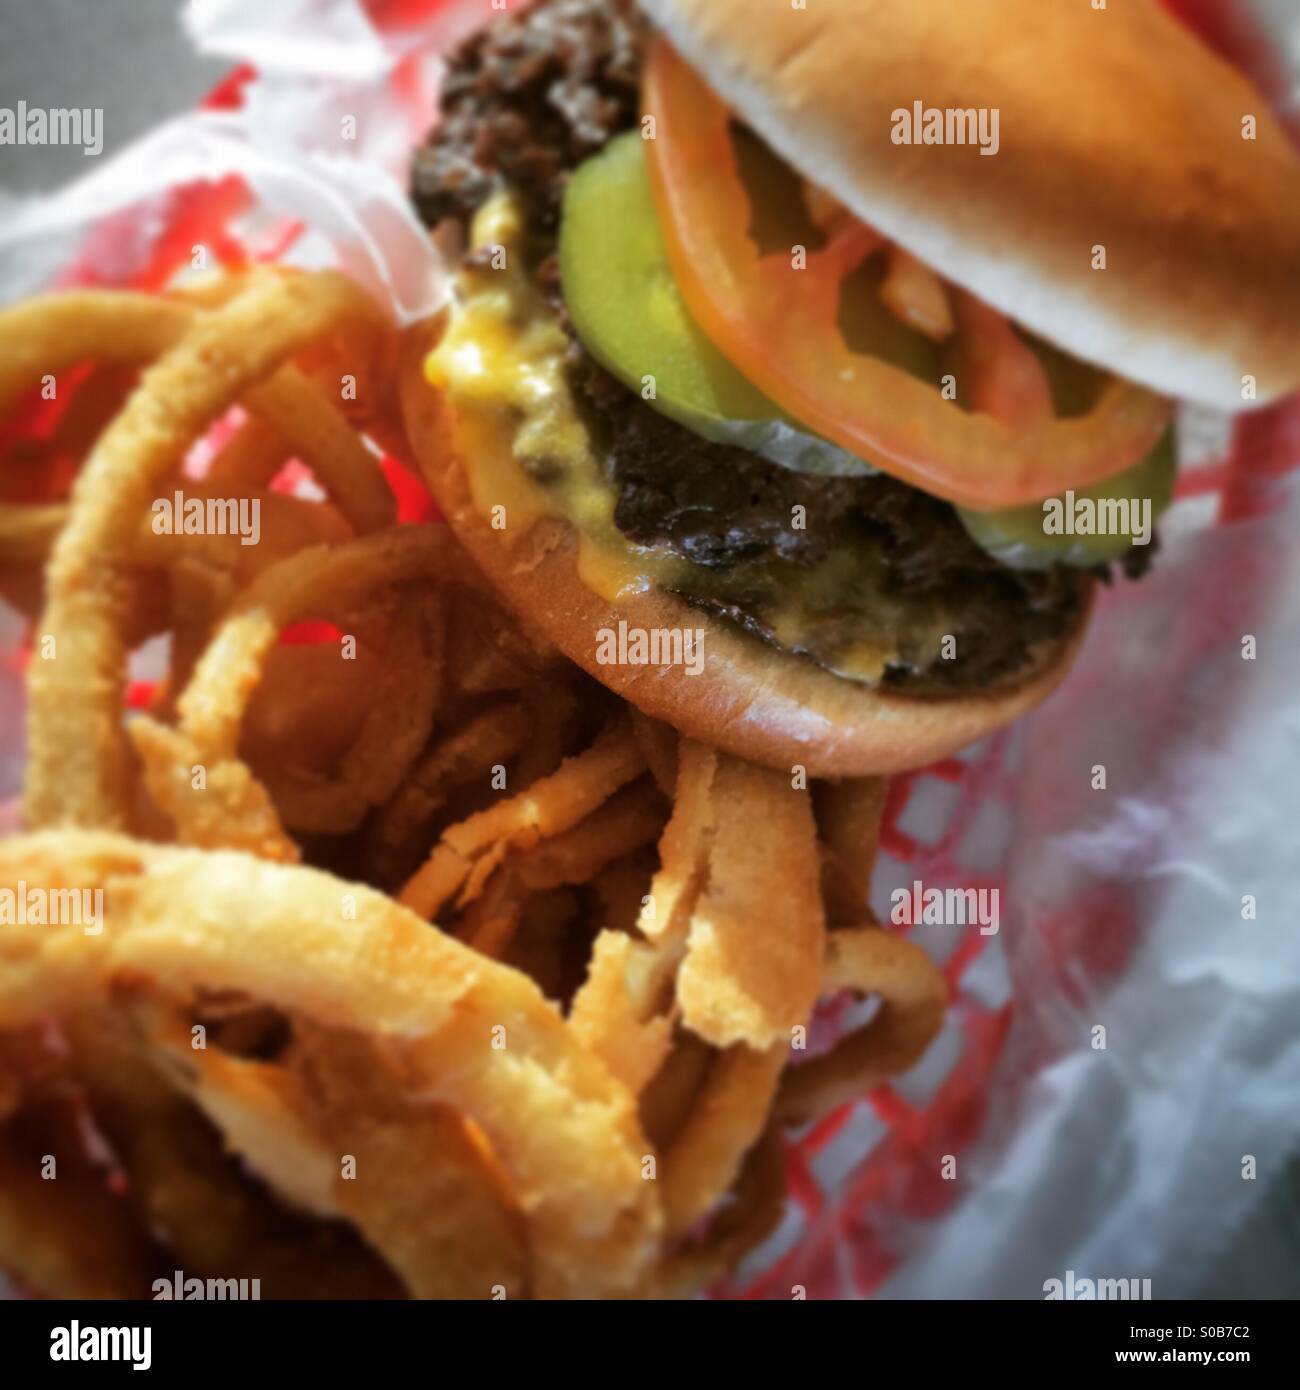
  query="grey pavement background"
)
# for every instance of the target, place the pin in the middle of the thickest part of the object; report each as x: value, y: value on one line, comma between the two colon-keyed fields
x: 129, y: 57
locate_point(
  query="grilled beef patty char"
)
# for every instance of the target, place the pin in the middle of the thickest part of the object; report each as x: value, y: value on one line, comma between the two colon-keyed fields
x: 876, y: 565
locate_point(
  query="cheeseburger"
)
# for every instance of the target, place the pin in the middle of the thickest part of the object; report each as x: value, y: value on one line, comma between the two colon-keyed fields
x: 809, y: 364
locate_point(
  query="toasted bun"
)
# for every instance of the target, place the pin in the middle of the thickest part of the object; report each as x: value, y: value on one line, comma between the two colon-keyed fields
x: 1117, y: 129
x: 750, y: 699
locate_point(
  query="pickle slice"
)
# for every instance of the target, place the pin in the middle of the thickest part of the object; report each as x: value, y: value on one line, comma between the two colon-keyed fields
x: 1018, y: 536
x: 627, y: 309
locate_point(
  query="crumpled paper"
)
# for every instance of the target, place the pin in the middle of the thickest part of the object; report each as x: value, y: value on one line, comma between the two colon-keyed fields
x: 358, y: 218
x: 1127, y: 1162
x: 321, y: 137
x: 1125, y: 906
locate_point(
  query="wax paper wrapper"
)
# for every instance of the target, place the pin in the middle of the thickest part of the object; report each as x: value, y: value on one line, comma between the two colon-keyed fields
x: 1117, y: 1091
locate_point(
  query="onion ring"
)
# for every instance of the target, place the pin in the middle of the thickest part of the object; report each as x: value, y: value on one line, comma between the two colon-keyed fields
x: 913, y: 997
x: 546, y: 808
x: 848, y: 822
x: 414, y: 1002
x: 78, y: 770
x: 755, y: 1212
x: 400, y: 830
x: 754, y: 952
x: 231, y: 809
x: 728, y: 1116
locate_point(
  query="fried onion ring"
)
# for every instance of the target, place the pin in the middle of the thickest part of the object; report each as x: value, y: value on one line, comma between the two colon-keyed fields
x: 754, y: 952
x: 228, y: 807
x: 437, y: 1024
x: 469, y: 851
x: 913, y: 996
x: 78, y: 769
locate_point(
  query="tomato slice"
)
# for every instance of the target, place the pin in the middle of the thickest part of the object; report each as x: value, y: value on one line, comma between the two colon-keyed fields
x: 1006, y: 379
x: 776, y: 318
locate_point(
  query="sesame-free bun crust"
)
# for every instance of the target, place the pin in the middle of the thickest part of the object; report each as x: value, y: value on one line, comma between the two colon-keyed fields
x: 1117, y: 128
x: 749, y: 699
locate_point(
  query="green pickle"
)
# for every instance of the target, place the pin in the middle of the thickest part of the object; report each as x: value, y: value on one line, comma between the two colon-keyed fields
x: 629, y: 313
x: 1016, y: 535
x: 625, y: 305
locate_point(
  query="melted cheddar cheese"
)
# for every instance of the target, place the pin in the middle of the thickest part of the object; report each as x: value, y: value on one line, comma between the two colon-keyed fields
x: 527, y: 450
x: 501, y: 363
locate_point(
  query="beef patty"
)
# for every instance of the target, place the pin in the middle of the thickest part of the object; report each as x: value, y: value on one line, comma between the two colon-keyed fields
x: 524, y: 102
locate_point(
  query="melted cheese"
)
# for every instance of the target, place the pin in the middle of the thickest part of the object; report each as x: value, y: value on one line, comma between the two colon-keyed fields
x: 527, y: 450
x: 501, y: 364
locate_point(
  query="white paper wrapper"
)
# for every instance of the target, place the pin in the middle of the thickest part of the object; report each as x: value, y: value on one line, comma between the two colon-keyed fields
x: 1123, y: 906
x: 357, y: 216
x: 1128, y: 1162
